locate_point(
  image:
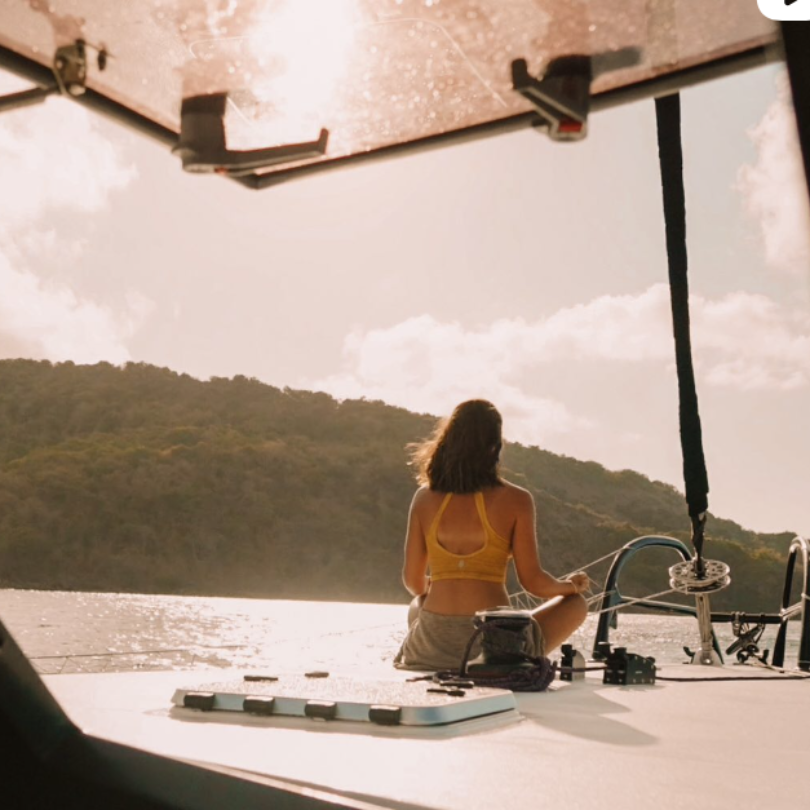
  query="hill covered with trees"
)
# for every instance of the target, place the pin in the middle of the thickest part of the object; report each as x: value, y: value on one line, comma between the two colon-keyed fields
x: 143, y: 480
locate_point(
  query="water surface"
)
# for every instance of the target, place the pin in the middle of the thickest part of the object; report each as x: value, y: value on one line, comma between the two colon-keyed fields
x: 68, y: 632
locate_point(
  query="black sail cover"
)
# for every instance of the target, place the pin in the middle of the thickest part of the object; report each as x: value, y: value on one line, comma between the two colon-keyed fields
x: 668, y: 116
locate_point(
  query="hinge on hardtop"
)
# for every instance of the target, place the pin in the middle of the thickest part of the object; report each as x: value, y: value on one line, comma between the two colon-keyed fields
x: 70, y: 68
x: 70, y: 75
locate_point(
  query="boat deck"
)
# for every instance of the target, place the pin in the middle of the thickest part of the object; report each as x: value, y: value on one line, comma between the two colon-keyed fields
x: 721, y: 744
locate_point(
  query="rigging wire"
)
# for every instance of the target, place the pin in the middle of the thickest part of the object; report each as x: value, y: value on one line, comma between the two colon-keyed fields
x: 774, y: 678
x: 592, y: 564
x: 780, y: 675
x: 523, y: 594
x: 110, y: 654
x: 633, y: 601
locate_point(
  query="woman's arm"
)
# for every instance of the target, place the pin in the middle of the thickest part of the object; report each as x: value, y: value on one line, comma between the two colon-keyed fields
x: 414, y: 570
x: 531, y: 573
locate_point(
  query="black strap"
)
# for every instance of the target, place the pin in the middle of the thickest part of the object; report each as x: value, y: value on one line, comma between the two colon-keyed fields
x: 534, y: 674
x: 796, y: 42
x: 668, y: 117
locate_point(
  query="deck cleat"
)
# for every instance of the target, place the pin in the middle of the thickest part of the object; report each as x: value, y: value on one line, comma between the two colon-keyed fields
x: 624, y: 668
x: 572, y: 664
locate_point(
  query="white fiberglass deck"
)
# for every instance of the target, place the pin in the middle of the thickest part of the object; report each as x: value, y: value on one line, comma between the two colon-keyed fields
x: 580, y: 745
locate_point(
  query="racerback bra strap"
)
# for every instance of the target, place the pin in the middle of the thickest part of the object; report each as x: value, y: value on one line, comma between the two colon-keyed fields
x: 434, y: 527
x: 482, y: 512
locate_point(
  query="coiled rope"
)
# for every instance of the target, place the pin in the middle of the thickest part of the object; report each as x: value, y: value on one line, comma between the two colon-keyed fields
x: 532, y: 674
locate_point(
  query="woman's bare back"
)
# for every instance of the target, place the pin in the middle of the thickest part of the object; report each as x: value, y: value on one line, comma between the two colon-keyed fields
x: 461, y: 531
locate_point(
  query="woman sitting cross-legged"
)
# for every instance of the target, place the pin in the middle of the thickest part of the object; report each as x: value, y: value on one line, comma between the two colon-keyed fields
x: 465, y: 523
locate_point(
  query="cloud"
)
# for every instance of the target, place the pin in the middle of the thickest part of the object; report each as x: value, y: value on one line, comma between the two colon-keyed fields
x: 774, y: 190
x: 743, y: 341
x: 53, y: 157
x: 9, y: 83
x: 428, y: 366
x: 611, y: 327
x: 752, y: 343
x: 48, y: 321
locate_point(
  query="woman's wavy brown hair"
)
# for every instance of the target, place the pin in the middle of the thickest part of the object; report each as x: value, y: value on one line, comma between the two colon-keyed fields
x: 462, y: 454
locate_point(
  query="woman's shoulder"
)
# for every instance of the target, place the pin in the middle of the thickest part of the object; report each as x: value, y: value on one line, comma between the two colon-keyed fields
x: 425, y: 495
x: 517, y: 497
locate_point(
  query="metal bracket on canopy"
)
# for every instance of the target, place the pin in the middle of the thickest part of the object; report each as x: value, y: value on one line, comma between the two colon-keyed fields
x: 70, y: 73
x: 70, y: 68
x: 202, y: 146
x: 562, y: 97
x: 26, y: 98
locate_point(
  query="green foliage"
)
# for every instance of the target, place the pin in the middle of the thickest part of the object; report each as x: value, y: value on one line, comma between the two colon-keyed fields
x: 140, y: 479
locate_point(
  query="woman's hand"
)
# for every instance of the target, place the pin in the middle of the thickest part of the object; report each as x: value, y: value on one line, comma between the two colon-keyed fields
x: 581, y: 582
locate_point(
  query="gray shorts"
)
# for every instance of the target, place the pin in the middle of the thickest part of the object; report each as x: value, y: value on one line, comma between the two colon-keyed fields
x: 436, y: 641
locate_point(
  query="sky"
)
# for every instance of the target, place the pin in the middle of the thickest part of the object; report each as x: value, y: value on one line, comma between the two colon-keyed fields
x: 529, y: 273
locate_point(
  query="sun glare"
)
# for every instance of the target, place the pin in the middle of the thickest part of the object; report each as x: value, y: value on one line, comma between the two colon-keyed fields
x: 302, y: 48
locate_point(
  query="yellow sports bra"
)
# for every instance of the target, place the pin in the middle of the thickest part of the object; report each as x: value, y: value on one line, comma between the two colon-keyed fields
x: 488, y: 563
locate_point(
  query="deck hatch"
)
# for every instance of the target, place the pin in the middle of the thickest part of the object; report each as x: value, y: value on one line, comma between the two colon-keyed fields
x: 374, y: 701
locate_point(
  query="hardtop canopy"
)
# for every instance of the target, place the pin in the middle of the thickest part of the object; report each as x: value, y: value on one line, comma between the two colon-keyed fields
x: 378, y: 75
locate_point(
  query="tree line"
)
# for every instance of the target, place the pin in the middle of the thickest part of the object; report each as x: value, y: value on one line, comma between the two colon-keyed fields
x: 139, y: 479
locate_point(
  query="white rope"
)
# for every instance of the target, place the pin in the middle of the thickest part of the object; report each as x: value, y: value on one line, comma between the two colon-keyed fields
x: 524, y: 598
x: 634, y: 601
x: 591, y: 600
x: 597, y: 596
x: 592, y: 564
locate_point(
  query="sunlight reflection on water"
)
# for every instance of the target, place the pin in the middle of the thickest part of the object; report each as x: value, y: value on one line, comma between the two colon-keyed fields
x: 94, y: 632
x: 81, y: 632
